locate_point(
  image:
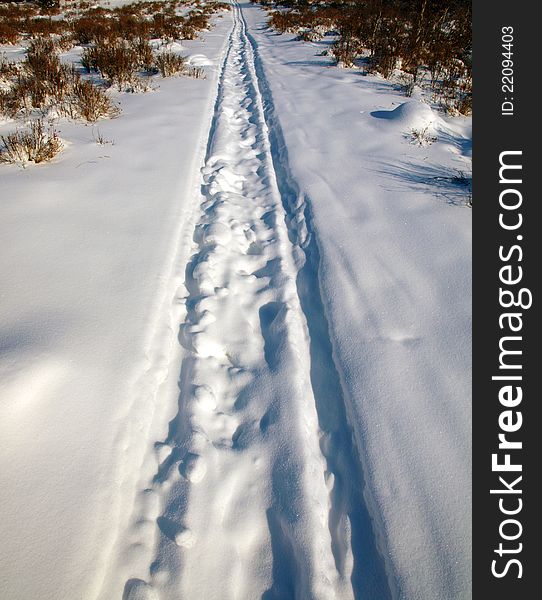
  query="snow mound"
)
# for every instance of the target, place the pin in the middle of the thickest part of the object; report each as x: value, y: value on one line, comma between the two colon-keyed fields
x: 412, y: 114
x: 199, y: 60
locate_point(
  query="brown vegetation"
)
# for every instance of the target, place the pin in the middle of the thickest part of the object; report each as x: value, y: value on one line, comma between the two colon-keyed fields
x: 430, y: 41
x: 116, y: 46
x: 42, y: 82
x: 36, y: 144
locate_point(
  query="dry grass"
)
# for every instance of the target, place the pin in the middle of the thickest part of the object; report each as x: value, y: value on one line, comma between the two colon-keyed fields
x: 116, y: 45
x: 431, y: 42
x: 85, y: 23
x: 91, y: 102
x: 37, y: 144
x: 116, y: 61
x: 422, y: 136
x: 195, y: 72
x: 43, y: 83
x: 170, y: 64
x: 100, y: 139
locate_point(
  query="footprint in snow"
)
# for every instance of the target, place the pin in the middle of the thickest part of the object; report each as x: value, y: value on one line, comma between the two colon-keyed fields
x: 193, y: 468
x: 205, y: 397
x: 185, y: 538
x: 137, y: 589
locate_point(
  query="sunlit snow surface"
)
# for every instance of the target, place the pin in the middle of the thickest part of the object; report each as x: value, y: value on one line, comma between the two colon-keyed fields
x: 235, y: 354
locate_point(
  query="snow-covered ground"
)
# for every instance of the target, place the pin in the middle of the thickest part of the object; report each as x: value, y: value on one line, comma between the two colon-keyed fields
x: 392, y: 257
x: 236, y: 342
x: 92, y: 252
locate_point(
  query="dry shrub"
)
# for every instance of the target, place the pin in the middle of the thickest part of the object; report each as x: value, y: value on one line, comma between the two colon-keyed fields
x: 64, y: 42
x: 136, y: 85
x: 88, y: 60
x: 119, y: 60
x: 6, y: 104
x: 8, y: 34
x: 41, y: 59
x: 39, y: 82
x: 11, y: 17
x: 89, y: 24
x: 345, y: 50
x: 10, y: 10
x: 463, y: 103
x: 49, y: 7
x: 195, y: 72
x: 129, y: 27
x: 29, y: 92
x: 42, y: 82
x: 91, y: 102
x: 170, y: 64
x: 422, y: 136
x: 427, y: 39
x: 8, y: 69
x: 87, y: 30
x: 285, y: 22
x: 26, y: 19
x: 37, y: 144
x: 117, y: 47
x: 116, y: 61
x: 144, y: 54
x: 166, y: 27
x: 197, y: 21
x: 45, y: 27
x: 217, y: 6
x: 454, y: 89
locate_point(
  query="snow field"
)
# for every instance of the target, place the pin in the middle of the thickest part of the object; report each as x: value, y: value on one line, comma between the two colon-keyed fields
x: 237, y: 341
x: 241, y: 478
x: 392, y: 261
x: 89, y: 312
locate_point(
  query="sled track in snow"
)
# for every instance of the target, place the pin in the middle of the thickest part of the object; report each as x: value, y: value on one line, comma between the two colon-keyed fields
x: 258, y: 490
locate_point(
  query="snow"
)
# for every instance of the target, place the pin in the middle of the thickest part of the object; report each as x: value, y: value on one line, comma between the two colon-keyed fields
x: 235, y: 357
x: 393, y: 268
x: 407, y: 115
x: 88, y: 244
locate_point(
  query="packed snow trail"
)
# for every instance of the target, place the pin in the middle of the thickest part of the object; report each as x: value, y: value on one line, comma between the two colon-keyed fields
x: 256, y: 483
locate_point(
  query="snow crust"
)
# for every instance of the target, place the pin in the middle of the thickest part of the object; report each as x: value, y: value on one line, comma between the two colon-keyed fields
x: 88, y: 289
x: 235, y: 356
x: 393, y: 247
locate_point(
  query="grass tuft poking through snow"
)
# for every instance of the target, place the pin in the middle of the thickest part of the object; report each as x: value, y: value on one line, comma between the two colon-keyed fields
x: 91, y: 102
x: 422, y: 136
x: 170, y: 64
x: 38, y: 144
